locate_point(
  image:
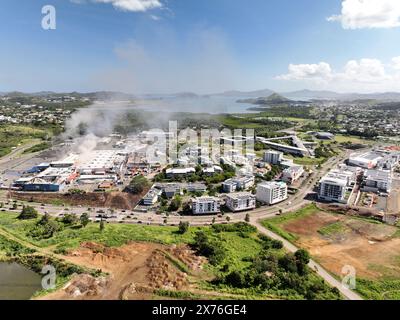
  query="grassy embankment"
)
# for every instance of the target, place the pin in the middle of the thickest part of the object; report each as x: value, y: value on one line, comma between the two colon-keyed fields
x: 240, y: 247
x: 11, y: 136
x: 384, y: 287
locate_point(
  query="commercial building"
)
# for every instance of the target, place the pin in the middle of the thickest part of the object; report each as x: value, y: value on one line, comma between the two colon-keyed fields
x: 212, y: 170
x: 179, y: 172
x: 102, y: 162
x: 67, y: 162
x: 53, y: 179
x: 272, y: 192
x: 206, y: 205
x: 367, y: 160
x: 41, y: 185
x: 241, y: 201
x: 377, y: 181
x: 39, y: 168
x: 273, y: 157
x: 324, y: 135
x: 292, y: 174
x: 333, y: 187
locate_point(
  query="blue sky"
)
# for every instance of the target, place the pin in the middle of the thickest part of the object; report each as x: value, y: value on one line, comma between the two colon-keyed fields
x: 200, y: 45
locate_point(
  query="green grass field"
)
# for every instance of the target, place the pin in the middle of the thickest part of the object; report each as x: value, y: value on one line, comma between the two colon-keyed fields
x: 332, y: 229
x: 39, y: 147
x: 13, y: 135
x: 352, y: 139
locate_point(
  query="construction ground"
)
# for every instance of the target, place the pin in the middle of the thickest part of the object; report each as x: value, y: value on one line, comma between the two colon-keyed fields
x: 337, y: 240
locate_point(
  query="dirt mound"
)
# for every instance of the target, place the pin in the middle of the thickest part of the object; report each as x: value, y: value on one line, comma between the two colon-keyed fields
x: 135, y: 271
x: 163, y: 275
x: 86, y: 285
x: 351, y: 211
x: 188, y: 257
x: 116, y: 200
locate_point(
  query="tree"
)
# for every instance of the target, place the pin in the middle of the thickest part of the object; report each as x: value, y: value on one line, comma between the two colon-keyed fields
x: 44, y: 220
x: 302, y: 260
x: 69, y: 219
x: 175, y: 204
x: 84, y: 219
x: 28, y: 213
x: 302, y: 256
x: 102, y: 225
x: 228, y: 218
x: 15, y: 206
x: 247, y: 218
x: 235, y: 279
x: 45, y: 228
x: 183, y: 227
x: 138, y: 185
x: 289, y: 263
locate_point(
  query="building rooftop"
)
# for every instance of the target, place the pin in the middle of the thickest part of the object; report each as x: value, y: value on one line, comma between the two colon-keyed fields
x: 378, y: 174
x: 206, y: 199
x: 273, y: 184
x: 240, y: 195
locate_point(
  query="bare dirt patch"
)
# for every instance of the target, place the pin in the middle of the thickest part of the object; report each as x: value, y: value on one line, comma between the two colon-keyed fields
x: 116, y: 200
x: 309, y: 225
x: 369, y: 247
x: 134, y: 271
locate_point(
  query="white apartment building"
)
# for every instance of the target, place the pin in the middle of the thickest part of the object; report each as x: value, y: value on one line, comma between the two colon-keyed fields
x: 333, y: 187
x: 292, y: 174
x: 241, y: 201
x: 229, y: 186
x: 151, y: 198
x: 206, y: 205
x: 238, y: 183
x: 273, y: 157
x: 272, y: 192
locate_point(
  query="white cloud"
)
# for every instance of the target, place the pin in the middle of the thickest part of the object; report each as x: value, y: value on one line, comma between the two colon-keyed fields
x: 321, y: 70
x: 356, y: 75
x: 365, y: 70
x: 359, y: 14
x: 396, y: 63
x: 129, y: 5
